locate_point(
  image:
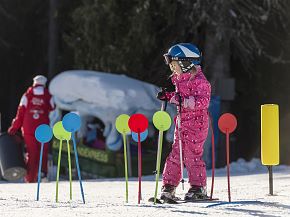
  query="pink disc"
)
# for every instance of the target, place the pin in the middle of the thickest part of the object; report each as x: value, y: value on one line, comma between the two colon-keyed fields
x: 227, y: 123
x: 138, y: 123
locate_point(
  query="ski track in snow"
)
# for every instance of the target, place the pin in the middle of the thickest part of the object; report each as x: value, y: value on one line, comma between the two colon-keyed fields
x: 107, y: 198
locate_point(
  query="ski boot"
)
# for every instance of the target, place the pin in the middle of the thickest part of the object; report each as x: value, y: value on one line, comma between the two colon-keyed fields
x: 196, y: 193
x: 168, y: 192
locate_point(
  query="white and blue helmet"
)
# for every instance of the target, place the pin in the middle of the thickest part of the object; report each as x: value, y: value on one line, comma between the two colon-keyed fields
x: 184, y: 53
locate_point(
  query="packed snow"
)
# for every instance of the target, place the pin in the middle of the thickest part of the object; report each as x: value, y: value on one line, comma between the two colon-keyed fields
x: 105, y: 96
x: 106, y: 197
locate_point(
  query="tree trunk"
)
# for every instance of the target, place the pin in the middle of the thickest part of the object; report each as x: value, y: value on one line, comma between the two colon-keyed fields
x: 217, y: 60
x: 217, y: 70
x: 52, y: 39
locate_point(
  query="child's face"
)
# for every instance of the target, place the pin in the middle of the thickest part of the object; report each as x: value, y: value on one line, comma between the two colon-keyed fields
x: 175, y: 68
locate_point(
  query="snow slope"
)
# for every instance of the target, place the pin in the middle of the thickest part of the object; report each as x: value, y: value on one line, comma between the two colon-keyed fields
x: 249, y: 182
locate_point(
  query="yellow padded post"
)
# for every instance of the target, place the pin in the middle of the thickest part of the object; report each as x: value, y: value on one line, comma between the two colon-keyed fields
x: 270, y: 134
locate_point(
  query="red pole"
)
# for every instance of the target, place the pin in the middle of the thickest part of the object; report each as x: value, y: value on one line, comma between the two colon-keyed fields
x: 139, y: 166
x: 213, y: 158
x: 228, y: 163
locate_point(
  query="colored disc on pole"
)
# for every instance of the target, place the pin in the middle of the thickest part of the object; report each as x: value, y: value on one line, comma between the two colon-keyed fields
x: 143, y: 136
x: 43, y: 133
x: 71, y: 122
x: 227, y: 123
x: 122, y: 124
x: 162, y: 120
x: 138, y: 123
x: 60, y: 133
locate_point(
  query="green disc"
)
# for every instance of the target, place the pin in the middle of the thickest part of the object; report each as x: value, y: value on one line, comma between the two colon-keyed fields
x: 122, y: 124
x: 162, y: 120
x: 60, y: 133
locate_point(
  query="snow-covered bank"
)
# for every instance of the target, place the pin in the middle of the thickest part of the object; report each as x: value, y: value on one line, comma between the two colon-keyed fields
x: 105, y: 96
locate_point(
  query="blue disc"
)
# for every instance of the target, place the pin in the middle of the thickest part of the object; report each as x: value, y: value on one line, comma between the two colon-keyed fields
x: 143, y: 136
x: 71, y: 122
x: 43, y: 133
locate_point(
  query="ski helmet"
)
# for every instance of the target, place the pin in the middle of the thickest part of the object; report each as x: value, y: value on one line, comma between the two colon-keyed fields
x: 186, y: 54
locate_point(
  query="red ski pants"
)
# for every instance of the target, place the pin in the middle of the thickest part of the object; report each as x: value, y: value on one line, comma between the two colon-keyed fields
x: 33, y: 154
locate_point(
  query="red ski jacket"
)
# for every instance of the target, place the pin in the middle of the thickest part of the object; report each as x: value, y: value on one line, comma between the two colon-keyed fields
x: 33, y: 110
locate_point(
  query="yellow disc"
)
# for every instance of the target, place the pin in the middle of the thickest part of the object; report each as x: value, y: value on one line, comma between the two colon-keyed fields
x: 122, y: 125
x: 60, y: 133
x: 162, y: 120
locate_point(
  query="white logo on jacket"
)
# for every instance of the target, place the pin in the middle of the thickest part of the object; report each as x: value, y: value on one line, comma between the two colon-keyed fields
x: 36, y: 113
x: 37, y: 101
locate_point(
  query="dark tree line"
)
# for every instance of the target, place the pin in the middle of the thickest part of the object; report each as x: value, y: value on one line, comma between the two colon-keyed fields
x: 23, y: 37
x: 242, y: 39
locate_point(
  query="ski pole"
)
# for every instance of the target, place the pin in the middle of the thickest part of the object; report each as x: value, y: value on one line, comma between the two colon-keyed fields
x: 179, y: 139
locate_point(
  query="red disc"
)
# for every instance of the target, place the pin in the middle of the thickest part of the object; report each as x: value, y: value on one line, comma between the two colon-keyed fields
x: 227, y: 123
x: 138, y: 123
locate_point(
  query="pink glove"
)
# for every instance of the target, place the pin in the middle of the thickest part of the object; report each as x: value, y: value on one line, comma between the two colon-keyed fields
x: 174, y: 99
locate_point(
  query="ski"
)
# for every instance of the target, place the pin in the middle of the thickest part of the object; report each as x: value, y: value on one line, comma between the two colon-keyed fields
x: 201, y: 200
x: 179, y: 201
x: 167, y: 200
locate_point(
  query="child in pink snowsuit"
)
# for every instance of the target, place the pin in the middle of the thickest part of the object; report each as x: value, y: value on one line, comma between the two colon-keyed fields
x: 193, y: 91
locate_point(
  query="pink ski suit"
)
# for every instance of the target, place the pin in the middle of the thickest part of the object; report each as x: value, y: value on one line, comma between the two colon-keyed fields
x: 195, y: 92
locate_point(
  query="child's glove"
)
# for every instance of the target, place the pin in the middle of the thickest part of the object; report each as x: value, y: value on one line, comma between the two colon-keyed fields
x: 176, y: 99
x: 161, y: 95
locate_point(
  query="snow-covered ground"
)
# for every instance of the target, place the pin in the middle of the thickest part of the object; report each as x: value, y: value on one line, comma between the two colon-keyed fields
x: 249, y: 185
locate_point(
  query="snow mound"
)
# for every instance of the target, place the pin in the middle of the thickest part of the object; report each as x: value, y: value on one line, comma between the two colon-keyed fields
x: 106, y: 96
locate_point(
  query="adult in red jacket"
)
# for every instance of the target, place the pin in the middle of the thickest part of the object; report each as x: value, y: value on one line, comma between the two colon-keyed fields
x: 33, y: 110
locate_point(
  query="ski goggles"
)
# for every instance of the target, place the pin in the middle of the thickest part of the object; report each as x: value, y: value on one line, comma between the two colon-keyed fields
x: 168, y: 59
